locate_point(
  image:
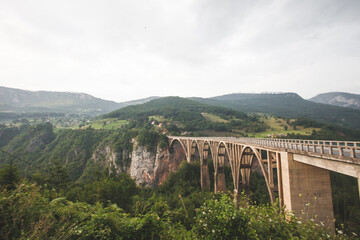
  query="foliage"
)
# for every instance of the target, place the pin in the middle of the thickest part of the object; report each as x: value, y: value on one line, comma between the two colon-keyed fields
x: 184, y: 111
x: 7, y: 134
x: 148, y: 139
x: 286, y: 105
x: 117, y: 189
x: 346, y: 202
x: 221, y: 220
x: 9, y: 176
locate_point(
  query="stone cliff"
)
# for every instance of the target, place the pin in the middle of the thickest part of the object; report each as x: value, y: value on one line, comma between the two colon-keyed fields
x: 107, y: 157
x: 152, y: 169
x: 148, y: 169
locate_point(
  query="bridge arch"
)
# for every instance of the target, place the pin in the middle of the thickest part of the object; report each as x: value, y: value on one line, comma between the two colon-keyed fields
x: 194, y: 147
x: 205, y: 150
x: 174, y: 140
x: 246, y: 158
x: 222, y: 158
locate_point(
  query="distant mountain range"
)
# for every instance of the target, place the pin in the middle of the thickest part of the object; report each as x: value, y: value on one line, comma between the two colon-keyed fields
x: 22, y: 101
x: 287, y: 105
x: 341, y: 99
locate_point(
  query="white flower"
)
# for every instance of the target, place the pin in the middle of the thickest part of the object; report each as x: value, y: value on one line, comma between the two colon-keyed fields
x: 299, y: 222
x: 340, y: 232
x: 213, y: 231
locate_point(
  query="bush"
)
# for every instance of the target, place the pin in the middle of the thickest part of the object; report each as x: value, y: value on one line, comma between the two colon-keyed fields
x: 221, y: 220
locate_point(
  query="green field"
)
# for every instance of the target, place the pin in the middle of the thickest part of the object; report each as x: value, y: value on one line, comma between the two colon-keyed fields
x: 158, y: 118
x: 213, y: 118
x: 108, y: 123
x: 279, y: 126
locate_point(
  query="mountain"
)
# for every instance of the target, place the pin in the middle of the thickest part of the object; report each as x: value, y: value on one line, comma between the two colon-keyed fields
x: 171, y: 107
x: 136, y: 102
x: 287, y: 105
x: 16, y: 100
x: 23, y: 101
x: 341, y: 99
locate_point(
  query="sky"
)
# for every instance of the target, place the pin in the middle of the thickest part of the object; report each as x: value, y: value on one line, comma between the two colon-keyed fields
x: 123, y: 50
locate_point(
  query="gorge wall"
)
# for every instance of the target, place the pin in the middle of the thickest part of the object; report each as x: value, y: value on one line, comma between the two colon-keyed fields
x: 147, y: 168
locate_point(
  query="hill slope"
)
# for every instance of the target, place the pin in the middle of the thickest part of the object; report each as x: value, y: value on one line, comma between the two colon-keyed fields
x: 172, y: 107
x: 341, y: 99
x: 287, y: 105
x: 16, y: 100
x: 188, y: 115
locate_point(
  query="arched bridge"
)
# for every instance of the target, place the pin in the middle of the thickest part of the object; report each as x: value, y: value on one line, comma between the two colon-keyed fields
x: 299, y: 170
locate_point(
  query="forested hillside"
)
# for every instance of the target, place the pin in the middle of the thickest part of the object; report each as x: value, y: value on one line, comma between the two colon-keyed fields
x: 188, y: 114
x: 286, y: 105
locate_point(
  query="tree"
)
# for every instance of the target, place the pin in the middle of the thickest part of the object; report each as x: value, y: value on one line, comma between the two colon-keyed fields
x: 59, y: 176
x: 9, y: 175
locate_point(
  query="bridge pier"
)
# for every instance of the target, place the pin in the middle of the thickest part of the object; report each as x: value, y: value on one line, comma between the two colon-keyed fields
x: 219, y: 177
x: 306, y: 190
x: 204, y: 170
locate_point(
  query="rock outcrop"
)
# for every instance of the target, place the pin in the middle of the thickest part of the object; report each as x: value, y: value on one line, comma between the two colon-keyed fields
x: 148, y: 169
x: 142, y: 166
x: 107, y: 157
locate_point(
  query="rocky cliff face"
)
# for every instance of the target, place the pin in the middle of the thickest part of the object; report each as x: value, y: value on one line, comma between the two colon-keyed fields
x: 149, y: 169
x: 106, y: 156
x: 168, y: 161
x: 142, y: 166
x: 341, y: 99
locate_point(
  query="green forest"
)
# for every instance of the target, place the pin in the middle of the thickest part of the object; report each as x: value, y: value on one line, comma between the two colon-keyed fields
x: 43, y: 206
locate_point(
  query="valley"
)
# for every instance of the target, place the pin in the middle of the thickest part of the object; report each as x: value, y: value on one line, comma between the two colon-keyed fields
x: 121, y: 157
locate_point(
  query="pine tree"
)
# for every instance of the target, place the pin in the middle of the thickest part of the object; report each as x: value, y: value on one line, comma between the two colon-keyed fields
x: 9, y: 175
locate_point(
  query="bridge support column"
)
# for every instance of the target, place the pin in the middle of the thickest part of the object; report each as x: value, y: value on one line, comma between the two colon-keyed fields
x: 306, y: 190
x: 359, y: 184
x: 219, y: 178
x: 205, y: 180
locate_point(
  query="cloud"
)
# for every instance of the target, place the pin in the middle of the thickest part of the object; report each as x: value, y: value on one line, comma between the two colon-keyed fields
x: 125, y: 50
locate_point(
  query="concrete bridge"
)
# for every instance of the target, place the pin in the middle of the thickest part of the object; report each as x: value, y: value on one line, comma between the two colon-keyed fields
x: 299, y: 170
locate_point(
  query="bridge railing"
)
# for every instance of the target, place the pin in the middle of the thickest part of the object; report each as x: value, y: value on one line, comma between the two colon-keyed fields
x: 338, y: 149
x: 334, y: 148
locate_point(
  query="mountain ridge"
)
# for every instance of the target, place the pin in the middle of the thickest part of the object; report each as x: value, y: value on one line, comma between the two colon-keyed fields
x: 18, y: 100
x: 342, y: 99
x: 287, y: 105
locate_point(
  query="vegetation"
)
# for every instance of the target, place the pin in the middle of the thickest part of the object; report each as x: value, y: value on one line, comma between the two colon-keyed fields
x: 71, y: 189
x: 286, y: 105
x: 188, y: 115
x: 91, y: 211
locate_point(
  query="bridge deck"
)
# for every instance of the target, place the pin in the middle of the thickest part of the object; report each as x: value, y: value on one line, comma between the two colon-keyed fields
x: 343, y: 151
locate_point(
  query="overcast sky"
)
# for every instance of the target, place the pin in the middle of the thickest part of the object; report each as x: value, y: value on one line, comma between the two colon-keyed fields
x: 122, y: 50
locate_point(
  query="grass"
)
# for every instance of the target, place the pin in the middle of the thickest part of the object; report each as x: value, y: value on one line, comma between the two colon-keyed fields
x: 108, y: 123
x: 158, y: 118
x: 213, y: 118
x: 277, y: 126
